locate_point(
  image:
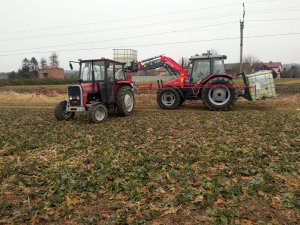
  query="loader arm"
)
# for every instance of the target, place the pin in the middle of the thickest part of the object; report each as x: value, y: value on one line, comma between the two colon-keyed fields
x: 169, y: 64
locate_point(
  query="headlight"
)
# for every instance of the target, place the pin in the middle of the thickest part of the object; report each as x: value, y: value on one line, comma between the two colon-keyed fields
x: 70, y: 98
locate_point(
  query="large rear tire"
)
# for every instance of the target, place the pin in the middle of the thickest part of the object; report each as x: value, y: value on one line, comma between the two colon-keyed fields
x: 219, y: 98
x: 125, y: 101
x: 168, y: 99
x: 97, y: 113
x: 60, y: 112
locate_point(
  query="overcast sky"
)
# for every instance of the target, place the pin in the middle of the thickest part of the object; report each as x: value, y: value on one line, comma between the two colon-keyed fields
x: 173, y: 27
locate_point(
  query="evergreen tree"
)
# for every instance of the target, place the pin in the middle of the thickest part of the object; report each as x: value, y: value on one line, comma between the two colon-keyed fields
x: 25, y: 65
x: 33, y: 64
x: 25, y: 68
x: 43, y: 63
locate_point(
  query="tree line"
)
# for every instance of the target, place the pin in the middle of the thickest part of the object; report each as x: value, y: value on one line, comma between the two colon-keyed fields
x: 29, y: 68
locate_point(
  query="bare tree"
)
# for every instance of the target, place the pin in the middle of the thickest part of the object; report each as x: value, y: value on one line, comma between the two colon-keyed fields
x: 211, y: 52
x: 53, y: 60
x: 251, y: 59
x: 43, y: 63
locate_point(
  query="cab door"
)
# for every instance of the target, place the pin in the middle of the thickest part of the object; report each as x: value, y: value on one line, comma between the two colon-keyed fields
x: 201, y: 69
x: 99, y: 74
x: 110, y: 82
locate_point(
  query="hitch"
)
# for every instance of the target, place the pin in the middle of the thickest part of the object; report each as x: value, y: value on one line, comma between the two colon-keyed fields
x: 246, y: 93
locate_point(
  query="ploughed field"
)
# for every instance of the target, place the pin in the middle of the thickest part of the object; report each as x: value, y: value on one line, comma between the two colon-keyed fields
x: 184, y: 166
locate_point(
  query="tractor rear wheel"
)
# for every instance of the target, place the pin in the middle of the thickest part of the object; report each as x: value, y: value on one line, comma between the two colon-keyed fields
x: 219, y: 98
x: 168, y: 99
x: 125, y: 101
x: 97, y: 113
x: 60, y: 112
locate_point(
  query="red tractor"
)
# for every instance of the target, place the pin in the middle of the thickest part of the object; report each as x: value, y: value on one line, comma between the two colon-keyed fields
x: 205, y: 80
x: 102, y: 86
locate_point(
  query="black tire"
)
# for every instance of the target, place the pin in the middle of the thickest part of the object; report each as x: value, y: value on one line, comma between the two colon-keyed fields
x: 168, y: 99
x: 97, y: 113
x: 60, y: 112
x: 219, y: 99
x: 125, y: 101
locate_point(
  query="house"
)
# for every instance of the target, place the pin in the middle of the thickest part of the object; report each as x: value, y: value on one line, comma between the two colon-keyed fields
x: 54, y: 73
x: 273, y: 66
x: 234, y: 68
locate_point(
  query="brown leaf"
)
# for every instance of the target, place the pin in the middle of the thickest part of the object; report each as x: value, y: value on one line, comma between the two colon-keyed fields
x: 199, y: 198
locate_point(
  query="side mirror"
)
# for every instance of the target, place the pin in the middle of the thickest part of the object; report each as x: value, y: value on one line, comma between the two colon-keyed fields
x: 80, y: 81
x: 71, y: 66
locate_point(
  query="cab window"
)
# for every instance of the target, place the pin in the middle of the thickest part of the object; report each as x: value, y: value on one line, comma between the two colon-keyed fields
x: 218, y: 66
x: 88, y: 68
x: 99, y: 70
x: 120, y: 75
x: 86, y: 71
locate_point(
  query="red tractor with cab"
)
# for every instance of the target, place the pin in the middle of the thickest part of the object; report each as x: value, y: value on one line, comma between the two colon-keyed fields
x: 102, y: 86
x: 205, y: 79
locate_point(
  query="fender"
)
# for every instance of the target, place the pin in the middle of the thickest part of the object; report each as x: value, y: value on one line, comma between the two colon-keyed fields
x: 229, y: 76
x: 124, y: 82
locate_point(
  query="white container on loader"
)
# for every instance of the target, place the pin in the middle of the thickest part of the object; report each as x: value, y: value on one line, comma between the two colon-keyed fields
x: 263, y: 83
x: 125, y: 55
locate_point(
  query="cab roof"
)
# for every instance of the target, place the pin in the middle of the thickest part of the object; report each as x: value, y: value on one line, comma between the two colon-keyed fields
x: 208, y: 57
x: 102, y: 59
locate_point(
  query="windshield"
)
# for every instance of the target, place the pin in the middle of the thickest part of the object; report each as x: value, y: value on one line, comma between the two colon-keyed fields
x: 88, y: 67
x: 218, y: 66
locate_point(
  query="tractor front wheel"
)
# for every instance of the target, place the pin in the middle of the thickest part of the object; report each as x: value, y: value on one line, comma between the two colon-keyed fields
x: 60, y: 112
x: 221, y: 98
x: 125, y: 101
x: 97, y: 113
x: 168, y: 99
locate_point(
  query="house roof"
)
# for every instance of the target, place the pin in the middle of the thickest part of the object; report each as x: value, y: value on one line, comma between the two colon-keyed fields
x: 272, y: 64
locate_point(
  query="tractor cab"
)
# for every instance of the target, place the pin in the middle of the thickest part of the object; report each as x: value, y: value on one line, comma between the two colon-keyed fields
x: 101, y: 70
x: 102, y: 86
x: 204, y: 66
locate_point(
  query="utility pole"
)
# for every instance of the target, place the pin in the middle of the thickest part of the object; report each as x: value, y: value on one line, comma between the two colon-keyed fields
x: 242, y: 41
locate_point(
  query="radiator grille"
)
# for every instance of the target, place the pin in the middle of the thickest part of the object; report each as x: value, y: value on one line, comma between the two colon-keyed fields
x: 73, y: 93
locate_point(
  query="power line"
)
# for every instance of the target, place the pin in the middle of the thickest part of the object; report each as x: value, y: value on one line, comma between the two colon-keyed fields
x: 127, y: 28
x: 160, y: 44
x: 110, y: 29
x: 93, y: 31
x: 126, y: 38
x: 134, y: 18
x: 295, y: 8
x: 93, y: 42
x: 281, y: 19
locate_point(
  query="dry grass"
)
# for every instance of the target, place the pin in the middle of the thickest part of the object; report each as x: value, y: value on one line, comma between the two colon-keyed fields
x: 29, y: 100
